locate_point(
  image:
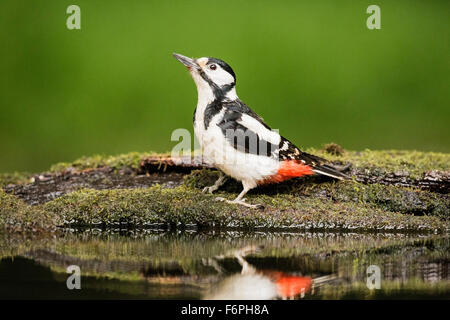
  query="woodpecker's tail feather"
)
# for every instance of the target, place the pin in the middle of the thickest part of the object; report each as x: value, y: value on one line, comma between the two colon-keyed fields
x: 322, y: 166
x: 328, y: 170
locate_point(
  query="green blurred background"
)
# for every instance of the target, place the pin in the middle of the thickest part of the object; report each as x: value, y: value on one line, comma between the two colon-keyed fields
x: 311, y: 69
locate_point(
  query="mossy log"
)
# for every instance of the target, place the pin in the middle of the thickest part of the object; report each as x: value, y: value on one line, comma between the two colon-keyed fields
x: 433, y: 180
x: 389, y: 190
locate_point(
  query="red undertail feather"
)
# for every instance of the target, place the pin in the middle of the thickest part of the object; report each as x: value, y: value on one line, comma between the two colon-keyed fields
x: 290, y: 169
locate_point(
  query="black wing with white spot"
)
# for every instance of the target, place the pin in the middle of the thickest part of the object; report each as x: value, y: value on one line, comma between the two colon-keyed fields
x: 248, y: 133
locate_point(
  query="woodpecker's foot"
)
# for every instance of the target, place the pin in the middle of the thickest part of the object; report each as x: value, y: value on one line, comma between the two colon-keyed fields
x: 210, y: 189
x: 217, y: 184
x: 241, y: 202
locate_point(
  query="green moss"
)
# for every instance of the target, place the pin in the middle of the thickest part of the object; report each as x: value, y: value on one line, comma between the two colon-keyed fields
x: 186, y: 206
x: 375, y: 196
x: 14, y: 178
x: 414, y: 162
x: 391, y: 198
x: 347, y: 209
x: 333, y: 148
x: 202, y: 178
x: 17, y: 216
x: 296, y: 204
x: 137, y: 206
x: 384, y: 197
x: 130, y: 160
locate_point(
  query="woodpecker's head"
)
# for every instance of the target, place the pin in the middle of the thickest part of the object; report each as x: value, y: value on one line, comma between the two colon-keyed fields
x: 212, y: 76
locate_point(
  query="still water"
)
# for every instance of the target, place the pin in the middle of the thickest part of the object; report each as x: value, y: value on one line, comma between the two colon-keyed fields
x: 161, y: 264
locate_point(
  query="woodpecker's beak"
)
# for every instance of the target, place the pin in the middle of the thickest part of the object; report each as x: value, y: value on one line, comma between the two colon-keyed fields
x: 188, y: 62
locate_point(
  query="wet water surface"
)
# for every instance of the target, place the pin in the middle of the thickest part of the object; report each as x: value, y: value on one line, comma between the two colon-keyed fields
x: 160, y: 264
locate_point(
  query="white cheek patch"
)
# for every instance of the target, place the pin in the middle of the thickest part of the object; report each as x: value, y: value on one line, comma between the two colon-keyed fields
x: 219, y: 76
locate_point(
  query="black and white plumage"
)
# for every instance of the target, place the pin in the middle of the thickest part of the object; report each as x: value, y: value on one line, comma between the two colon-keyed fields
x: 235, y: 140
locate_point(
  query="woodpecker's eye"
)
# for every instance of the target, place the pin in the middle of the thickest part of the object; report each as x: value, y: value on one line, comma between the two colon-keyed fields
x: 213, y: 66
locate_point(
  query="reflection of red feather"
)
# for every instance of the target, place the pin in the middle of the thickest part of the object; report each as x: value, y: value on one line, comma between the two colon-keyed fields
x: 289, y: 169
x: 288, y: 285
x: 291, y: 286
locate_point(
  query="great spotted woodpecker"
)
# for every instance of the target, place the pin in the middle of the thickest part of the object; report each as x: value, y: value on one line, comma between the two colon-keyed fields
x: 235, y: 140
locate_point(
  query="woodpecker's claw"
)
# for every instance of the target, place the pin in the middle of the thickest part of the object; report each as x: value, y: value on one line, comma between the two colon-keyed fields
x: 240, y: 202
x: 216, y: 185
x: 205, y: 190
x: 209, y: 189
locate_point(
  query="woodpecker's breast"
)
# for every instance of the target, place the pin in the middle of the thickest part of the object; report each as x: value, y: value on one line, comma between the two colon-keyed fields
x: 218, y: 152
x: 202, y: 121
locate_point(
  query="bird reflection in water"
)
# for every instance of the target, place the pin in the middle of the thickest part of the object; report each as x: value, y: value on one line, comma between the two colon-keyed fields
x: 260, y: 284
